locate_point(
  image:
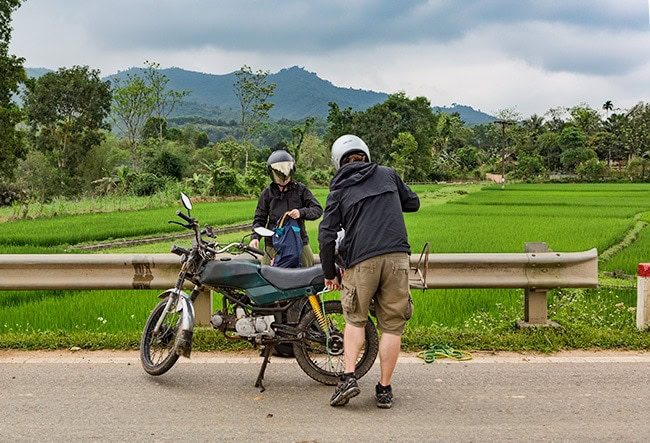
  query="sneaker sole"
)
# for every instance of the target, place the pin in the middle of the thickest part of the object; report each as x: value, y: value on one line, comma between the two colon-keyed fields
x: 384, y: 406
x: 345, y: 397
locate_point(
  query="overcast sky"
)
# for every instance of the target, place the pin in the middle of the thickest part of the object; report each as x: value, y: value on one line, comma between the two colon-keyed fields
x: 490, y: 54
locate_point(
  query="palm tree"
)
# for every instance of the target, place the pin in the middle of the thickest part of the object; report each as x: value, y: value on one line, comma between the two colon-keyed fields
x: 608, y: 106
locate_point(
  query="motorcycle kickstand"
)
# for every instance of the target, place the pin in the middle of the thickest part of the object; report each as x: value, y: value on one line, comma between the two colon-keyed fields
x: 260, y: 376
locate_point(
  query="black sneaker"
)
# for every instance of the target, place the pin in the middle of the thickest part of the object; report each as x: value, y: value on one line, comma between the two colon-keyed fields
x: 384, y: 396
x: 345, y: 390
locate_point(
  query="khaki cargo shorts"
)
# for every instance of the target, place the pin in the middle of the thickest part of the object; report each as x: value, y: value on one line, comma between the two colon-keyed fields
x: 386, y: 277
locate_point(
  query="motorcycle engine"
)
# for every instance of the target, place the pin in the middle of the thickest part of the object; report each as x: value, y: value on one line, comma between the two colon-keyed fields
x: 248, y: 326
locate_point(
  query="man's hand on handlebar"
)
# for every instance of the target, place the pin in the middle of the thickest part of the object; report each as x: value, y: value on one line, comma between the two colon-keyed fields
x: 255, y: 243
x: 332, y: 284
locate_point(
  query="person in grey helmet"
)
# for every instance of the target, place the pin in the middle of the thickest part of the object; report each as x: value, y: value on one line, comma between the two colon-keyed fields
x: 285, y: 194
x: 367, y: 201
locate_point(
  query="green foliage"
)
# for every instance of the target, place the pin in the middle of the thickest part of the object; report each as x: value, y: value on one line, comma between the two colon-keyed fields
x: 253, y: 92
x: 36, y: 176
x: 592, y: 169
x: 225, y: 180
x: 529, y: 166
x: 255, y: 179
x: 201, y: 140
x: 66, y: 111
x: 321, y: 177
x: 404, y: 155
x: 574, y: 148
x: 469, y: 157
x: 380, y: 124
x: 12, y: 75
x: 133, y: 103
x: 146, y: 183
x: 166, y: 163
x: 153, y: 128
x: 163, y: 100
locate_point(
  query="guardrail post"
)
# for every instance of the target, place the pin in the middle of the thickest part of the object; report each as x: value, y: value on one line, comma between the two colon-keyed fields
x: 535, y: 299
x: 643, y: 296
x: 203, y: 308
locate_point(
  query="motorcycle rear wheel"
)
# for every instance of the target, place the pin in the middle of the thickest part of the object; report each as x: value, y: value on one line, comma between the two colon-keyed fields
x: 312, y: 352
x: 158, y: 354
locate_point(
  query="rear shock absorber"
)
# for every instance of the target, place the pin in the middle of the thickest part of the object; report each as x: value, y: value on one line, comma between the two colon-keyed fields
x: 314, y: 300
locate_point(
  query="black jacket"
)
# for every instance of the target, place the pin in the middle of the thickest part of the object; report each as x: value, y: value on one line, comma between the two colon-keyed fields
x: 367, y: 201
x: 273, y: 204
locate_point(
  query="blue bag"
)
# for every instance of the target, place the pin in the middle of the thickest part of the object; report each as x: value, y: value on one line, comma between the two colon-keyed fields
x: 287, y: 243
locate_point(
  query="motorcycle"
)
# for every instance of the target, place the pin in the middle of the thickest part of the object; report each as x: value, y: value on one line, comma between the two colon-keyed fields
x: 264, y: 305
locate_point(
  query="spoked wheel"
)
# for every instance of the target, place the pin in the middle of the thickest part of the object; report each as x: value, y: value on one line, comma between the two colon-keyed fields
x: 312, y: 353
x: 157, y: 353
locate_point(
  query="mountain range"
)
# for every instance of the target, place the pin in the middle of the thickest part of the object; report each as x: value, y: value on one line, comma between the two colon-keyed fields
x: 298, y: 94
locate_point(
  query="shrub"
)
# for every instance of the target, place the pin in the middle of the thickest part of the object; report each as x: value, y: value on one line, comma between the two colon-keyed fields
x: 321, y: 177
x: 166, y: 163
x: 255, y: 178
x: 592, y: 169
x: 146, y: 183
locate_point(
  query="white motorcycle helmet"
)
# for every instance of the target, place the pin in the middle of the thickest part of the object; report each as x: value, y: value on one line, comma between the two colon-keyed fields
x: 346, y: 145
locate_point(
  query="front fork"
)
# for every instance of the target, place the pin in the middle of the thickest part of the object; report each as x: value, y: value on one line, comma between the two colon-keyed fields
x: 180, y: 302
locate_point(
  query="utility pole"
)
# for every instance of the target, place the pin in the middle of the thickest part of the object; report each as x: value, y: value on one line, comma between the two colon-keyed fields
x: 503, y: 124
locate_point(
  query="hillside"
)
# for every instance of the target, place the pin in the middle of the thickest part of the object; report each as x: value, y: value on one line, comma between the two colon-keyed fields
x: 298, y: 94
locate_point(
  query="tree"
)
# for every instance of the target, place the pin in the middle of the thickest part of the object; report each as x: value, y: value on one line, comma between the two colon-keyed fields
x: 253, y: 92
x: 201, y: 140
x: 133, y: 104
x: 586, y: 119
x: 550, y: 150
x: 529, y: 166
x: 637, y: 130
x: 66, y: 111
x: 608, y: 106
x: 574, y: 148
x: 404, y: 155
x: 35, y: 177
x: 163, y: 100
x: 12, y: 75
x: 380, y: 124
x: 153, y: 126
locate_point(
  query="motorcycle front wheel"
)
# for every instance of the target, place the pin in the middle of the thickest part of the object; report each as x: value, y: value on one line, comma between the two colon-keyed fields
x: 320, y: 355
x: 157, y: 352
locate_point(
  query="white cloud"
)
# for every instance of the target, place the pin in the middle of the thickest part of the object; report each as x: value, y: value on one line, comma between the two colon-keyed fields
x: 490, y: 55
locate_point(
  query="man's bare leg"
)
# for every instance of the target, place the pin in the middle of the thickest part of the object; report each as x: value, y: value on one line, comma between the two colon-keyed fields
x: 353, y: 340
x: 389, y: 347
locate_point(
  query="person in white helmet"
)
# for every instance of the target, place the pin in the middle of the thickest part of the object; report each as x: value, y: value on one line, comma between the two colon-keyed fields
x: 285, y: 194
x: 368, y: 201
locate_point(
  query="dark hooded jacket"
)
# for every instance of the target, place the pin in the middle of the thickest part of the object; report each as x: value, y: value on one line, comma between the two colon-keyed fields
x: 367, y: 200
x: 273, y: 204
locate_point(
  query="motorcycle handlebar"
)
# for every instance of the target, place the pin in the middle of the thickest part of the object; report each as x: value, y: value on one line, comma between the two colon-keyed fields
x: 185, y: 217
x: 254, y: 250
x: 179, y: 250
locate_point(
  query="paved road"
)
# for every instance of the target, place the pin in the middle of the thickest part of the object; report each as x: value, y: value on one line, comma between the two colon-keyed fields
x: 107, y: 396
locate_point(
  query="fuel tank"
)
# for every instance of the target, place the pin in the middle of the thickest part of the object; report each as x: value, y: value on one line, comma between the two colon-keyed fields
x: 247, y: 275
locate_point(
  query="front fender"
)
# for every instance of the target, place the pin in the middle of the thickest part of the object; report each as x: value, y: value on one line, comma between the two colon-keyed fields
x: 184, y: 305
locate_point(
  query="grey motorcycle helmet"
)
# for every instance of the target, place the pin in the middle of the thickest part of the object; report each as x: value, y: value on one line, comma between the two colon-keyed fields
x: 346, y: 145
x: 281, y: 163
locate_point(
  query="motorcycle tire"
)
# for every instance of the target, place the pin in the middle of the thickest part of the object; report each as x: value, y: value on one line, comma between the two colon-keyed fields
x: 164, y: 344
x: 321, y: 355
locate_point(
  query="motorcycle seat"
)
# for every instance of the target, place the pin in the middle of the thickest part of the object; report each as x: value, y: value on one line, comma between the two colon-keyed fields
x: 293, y: 278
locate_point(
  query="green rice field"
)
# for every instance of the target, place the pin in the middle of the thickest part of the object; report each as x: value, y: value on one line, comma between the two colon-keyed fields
x: 452, y: 219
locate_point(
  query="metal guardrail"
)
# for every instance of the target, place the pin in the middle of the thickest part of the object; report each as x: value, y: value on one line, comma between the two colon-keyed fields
x: 534, y: 271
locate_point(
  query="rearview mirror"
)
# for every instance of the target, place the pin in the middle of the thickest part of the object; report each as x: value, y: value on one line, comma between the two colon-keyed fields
x: 263, y: 232
x: 186, y: 201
